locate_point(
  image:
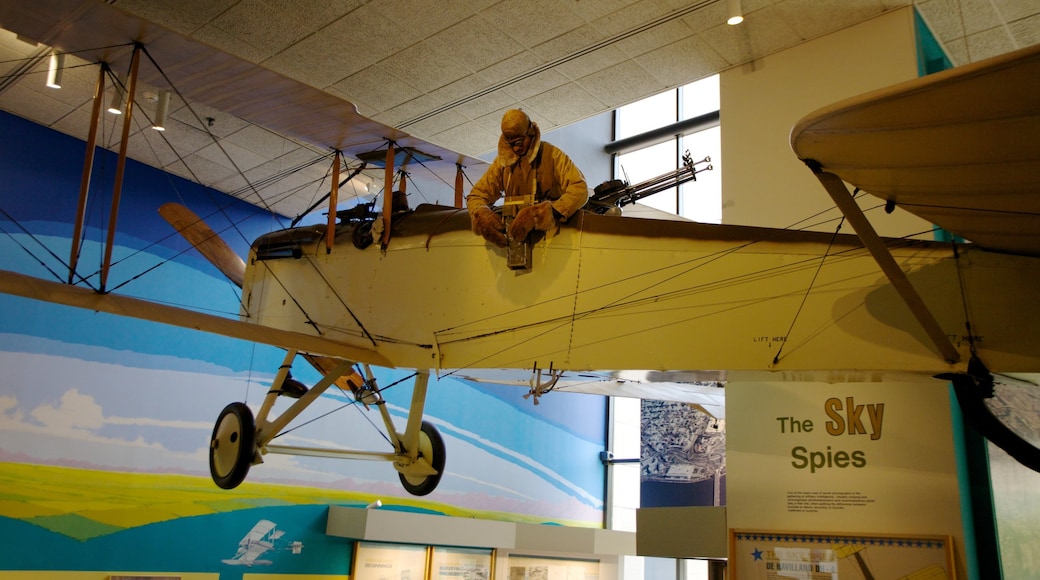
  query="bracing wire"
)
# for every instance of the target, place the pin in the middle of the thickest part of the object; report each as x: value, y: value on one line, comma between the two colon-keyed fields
x: 808, y: 290
x: 354, y: 404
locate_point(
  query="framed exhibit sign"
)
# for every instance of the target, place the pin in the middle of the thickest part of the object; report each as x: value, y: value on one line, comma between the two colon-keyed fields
x: 522, y: 567
x: 376, y: 561
x: 461, y: 564
x: 773, y: 555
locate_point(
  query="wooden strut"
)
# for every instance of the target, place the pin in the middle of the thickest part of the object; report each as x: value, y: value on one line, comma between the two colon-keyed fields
x: 120, y: 165
x: 872, y: 241
x: 458, y: 185
x: 88, y: 168
x: 388, y: 194
x: 330, y: 231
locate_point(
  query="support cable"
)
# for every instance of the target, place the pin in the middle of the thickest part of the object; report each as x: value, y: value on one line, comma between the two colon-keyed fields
x: 805, y: 296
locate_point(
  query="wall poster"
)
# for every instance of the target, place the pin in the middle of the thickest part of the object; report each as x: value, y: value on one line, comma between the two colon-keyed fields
x: 543, y: 568
x: 774, y: 555
x: 376, y: 561
x: 461, y: 564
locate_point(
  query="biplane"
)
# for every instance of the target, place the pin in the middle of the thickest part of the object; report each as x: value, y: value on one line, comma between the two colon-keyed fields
x: 262, y: 538
x: 608, y: 297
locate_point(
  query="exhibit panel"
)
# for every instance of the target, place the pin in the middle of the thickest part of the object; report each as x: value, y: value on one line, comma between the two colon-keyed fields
x: 837, y: 459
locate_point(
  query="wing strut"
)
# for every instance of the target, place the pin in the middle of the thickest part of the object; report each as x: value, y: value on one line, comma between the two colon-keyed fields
x: 88, y: 168
x: 843, y: 199
x: 458, y: 185
x: 330, y: 231
x: 129, y: 93
x: 388, y: 195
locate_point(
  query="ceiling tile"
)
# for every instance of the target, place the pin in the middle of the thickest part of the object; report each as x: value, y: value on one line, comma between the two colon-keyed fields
x: 512, y: 67
x: 478, y: 107
x: 586, y: 64
x: 341, y: 48
x: 185, y: 16
x: 261, y: 141
x: 812, y: 18
x: 473, y: 44
x: 423, y: 67
x: 978, y: 16
x: 678, y: 63
x: 426, y: 18
x: 620, y: 84
x: 537, y: 84
x: 989, y: 43
x: 316, y: 14
x: 562, y: 104
x: 262, y: 25
x: 467, y: 139
x: 438, y: 123
x: 1026, y: 31
x: 232, y: 156
x: 661, y: 35
x: 461, y: 90
x: 532, y: 22
x: 34, y: 104
x: 208, y: 120
x: 567, y: 45
x: 375, y: 89
x: 398, y: 116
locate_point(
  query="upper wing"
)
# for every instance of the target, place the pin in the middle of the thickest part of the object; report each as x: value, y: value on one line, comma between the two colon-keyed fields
x: 960, y: 148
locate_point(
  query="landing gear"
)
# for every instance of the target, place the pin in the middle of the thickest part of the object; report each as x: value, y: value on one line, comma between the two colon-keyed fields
x: 431, y: 449
x: 232, y: 446
x: 239, y: 440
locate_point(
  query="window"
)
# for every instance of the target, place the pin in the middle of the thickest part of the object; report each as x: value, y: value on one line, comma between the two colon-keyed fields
x: 699, y: 200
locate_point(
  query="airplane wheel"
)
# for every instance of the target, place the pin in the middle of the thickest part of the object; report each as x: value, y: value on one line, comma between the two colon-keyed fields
x: 232, y: 446
x: 431, y: 447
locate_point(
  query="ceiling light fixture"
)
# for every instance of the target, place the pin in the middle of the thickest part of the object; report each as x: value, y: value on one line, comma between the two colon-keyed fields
x: 161, y: 110
x: 55, y: 69
x: 116, y: 106
x: 734, y: 12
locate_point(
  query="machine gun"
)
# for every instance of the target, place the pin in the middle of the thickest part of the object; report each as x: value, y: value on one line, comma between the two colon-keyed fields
x: 610, y: 196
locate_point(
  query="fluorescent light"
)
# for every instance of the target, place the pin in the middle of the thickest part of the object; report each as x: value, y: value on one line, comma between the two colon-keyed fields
x: 55, y: 69
x: 734, y: 13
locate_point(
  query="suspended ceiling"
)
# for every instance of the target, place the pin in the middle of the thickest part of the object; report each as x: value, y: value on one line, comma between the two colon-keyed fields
x: 262, y: 88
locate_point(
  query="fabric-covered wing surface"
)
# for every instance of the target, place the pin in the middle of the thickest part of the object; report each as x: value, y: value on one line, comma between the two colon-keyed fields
x: 960, y: 148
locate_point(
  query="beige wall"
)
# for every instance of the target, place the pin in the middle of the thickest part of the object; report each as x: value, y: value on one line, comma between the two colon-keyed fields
x: 910, y: 472
x: 763, y: 183
x: 852, y: 458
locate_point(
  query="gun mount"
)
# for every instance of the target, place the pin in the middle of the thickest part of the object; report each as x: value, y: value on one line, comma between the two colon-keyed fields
x: 610, y: 196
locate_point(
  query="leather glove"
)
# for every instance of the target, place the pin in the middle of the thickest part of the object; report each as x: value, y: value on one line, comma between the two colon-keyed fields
x: 488, y: 224
x: 536, y: 217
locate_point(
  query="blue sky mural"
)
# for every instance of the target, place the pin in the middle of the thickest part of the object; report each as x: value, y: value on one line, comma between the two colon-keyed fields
x: 103, y: 393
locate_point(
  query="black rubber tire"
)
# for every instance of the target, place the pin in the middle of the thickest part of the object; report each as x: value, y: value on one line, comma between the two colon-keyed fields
x: 431, y: 446
x: 232, y: 446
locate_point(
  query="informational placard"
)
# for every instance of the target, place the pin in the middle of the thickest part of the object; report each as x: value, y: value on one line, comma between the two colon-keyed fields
x: 375, y: 561
x: 460, y: 564
x: 540, y: 568
x: 863, y: 457
x: 777, y: 555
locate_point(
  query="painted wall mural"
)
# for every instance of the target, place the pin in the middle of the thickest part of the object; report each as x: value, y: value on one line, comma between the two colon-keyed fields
x: 105, y: 421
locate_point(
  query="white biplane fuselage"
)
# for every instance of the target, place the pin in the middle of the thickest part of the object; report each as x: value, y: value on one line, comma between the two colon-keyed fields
x: 614, y: 293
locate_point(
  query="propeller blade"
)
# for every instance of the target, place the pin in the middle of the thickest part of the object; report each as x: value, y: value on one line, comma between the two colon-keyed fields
x: 205, y: 240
